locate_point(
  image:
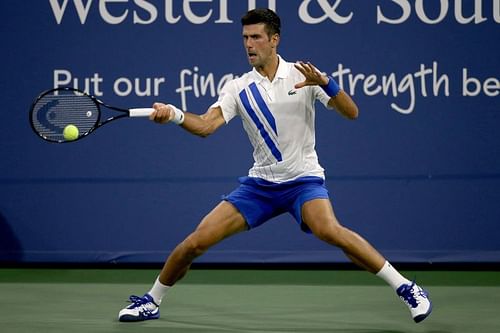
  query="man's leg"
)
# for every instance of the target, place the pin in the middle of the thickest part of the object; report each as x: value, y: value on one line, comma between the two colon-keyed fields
x: 319, y: 216
x: 223, y: 221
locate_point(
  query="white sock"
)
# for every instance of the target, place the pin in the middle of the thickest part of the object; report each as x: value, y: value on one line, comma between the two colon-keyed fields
x: 158, y: 291
x: 390, y: 275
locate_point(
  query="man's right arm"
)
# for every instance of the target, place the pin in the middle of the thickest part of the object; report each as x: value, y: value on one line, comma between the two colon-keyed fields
x: 201, y: 125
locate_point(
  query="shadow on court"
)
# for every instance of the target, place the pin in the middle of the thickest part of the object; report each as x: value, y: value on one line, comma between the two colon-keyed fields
x: 10, y: 246
x: 32, y: 303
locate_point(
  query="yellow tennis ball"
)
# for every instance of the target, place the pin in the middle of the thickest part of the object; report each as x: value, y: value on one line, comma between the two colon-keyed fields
x: 70, y: 133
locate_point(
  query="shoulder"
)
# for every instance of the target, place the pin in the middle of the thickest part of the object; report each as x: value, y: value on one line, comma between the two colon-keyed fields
x: 288, y: 70
x: 235, y: 85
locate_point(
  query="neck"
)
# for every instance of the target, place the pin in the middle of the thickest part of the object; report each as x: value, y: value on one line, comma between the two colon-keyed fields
x: 270, y: 68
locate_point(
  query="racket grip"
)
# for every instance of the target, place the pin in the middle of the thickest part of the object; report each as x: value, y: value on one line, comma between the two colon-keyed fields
x: 140, y: 112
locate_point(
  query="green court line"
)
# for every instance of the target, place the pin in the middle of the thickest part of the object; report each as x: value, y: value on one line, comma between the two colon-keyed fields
x: 244, y: 308
x: 244, y: 276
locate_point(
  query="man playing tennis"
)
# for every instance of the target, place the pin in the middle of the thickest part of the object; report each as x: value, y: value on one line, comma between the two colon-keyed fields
x: 276, y: 104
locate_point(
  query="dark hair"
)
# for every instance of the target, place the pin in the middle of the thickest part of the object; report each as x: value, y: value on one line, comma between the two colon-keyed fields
x: 263, y: 15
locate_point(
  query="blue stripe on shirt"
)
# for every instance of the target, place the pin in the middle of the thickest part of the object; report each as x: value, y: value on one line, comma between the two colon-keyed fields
x: 267, y: 139
x: 263, y: 106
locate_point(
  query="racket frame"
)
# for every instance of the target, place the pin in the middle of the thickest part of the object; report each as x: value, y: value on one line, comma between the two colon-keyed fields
x: 140, y: 112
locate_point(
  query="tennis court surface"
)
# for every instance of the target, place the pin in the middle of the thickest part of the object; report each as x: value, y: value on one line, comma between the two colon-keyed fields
x: 245, y: 300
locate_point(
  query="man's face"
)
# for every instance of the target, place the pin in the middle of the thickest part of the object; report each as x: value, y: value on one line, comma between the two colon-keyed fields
x: 259, y: 46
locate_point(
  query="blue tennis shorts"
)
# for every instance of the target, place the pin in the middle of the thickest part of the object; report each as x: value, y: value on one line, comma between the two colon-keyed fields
x: 259, y: 200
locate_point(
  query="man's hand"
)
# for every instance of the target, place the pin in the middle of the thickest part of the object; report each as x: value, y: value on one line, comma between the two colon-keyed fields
x: 312, y: 74
x: 162, y: 114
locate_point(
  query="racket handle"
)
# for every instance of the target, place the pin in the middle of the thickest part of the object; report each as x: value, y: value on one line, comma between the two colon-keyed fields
x: 140, y: 112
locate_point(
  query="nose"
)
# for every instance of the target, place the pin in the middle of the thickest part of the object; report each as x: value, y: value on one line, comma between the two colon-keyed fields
x: 248, y: 43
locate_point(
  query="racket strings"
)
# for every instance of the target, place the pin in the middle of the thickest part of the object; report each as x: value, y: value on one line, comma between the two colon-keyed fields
x: 58, y: 109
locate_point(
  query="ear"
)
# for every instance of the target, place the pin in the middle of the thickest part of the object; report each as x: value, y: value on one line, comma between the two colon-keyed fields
x: 275, y: 39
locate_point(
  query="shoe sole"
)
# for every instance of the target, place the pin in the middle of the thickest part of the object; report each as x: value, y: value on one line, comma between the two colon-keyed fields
x: 130, y: 318
x: 421, y: 317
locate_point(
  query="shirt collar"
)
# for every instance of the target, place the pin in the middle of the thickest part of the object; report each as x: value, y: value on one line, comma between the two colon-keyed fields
x: 282, y: 72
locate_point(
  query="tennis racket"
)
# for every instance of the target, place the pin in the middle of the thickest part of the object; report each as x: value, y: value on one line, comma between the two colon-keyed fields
x: 55, y: 109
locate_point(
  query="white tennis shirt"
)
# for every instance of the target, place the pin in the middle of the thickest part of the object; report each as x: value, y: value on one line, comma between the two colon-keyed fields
x: 279, y: 121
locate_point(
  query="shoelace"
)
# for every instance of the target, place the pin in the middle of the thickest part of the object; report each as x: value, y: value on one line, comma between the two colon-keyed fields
x: 141, y: 303
x: 137, y: 300
x: 411, y: 298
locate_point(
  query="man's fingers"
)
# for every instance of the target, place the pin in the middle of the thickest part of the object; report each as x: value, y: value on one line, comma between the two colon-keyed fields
x: 308, y: 70
x: 152, y: 115
x: 162, y: 113
x: 299, y: 67
x: 300, y: 85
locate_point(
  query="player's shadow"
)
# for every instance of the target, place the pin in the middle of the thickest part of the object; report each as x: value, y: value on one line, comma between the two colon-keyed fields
x: 309, y: 330
x: 11, y: 250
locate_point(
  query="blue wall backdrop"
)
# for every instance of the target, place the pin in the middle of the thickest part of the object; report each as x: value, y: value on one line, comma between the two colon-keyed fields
x: 418, y: 174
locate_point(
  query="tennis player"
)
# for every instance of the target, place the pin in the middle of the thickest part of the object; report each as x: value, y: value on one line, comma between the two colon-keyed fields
x: 275, y: 101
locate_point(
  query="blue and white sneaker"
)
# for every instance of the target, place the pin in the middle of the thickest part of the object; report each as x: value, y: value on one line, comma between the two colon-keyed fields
x: 142, y: 308
x: 417, y: 300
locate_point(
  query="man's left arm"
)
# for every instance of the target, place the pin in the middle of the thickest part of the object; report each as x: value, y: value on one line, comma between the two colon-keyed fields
x: 344, y: 104
x: 339, y: 99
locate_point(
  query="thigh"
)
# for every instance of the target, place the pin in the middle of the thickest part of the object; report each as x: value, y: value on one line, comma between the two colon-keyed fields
x: 223, y: 221
x: 302, y: 197
x: 319, y: 216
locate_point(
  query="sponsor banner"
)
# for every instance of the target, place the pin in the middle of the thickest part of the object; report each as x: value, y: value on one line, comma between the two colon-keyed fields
x: 424, y: 153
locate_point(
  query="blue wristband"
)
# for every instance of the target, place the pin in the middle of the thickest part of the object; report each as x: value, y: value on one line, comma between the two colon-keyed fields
x: 332, y: 88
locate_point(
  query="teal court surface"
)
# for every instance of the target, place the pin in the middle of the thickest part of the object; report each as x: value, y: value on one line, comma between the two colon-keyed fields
x: 245, y: 300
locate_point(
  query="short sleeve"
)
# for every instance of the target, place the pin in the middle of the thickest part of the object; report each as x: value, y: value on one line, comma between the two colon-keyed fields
x: 227, y: 102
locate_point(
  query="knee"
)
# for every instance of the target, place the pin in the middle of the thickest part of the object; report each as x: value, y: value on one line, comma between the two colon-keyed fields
x: 333, y: 234
x: 193, y: 247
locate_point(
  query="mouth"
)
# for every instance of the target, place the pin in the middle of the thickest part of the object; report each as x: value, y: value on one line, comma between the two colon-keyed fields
x: 251, y: 55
